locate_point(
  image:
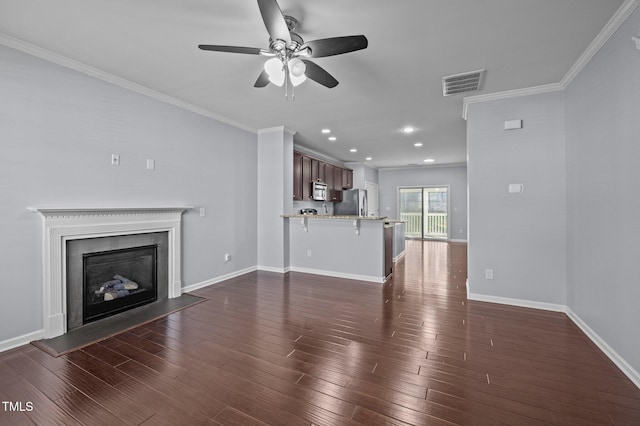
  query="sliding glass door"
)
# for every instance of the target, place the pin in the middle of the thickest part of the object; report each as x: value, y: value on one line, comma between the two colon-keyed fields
x: 425, y: 211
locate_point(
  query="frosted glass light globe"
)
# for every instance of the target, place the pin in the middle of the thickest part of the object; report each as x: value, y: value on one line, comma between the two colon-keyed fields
x: 297, y: 67
x: 273, y: 67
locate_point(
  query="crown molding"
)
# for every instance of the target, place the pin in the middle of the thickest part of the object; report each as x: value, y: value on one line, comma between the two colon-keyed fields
x: 423, y: 167
x: 603, y: 36
x: 276, y: 129
x: 360, y: 163
x: 536, y: 90
x: 609, y: 29
x: 74, y: 65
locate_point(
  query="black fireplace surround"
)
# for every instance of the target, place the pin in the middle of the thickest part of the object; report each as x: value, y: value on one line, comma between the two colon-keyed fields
x: 109, y: 275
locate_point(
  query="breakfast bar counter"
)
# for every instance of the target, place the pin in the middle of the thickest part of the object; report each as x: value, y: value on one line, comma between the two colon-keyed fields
x: 341, y: 246
x: 338, y: 217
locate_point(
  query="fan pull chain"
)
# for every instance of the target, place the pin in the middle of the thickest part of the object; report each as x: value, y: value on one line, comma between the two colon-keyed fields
x: 286, y: 80
x: 293, y: 92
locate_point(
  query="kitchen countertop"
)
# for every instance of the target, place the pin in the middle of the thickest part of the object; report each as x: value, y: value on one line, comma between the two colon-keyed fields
x: 326, y: 216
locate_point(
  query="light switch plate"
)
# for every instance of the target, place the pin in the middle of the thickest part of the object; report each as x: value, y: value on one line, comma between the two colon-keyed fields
x: 513, y: 124
x: 515, y: 188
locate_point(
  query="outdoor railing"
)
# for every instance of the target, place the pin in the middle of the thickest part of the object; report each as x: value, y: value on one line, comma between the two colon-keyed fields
x: 436, y: 225
x: 412, y: 224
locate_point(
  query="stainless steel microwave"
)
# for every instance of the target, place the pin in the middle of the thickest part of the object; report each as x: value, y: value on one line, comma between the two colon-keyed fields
x: 319, y: 191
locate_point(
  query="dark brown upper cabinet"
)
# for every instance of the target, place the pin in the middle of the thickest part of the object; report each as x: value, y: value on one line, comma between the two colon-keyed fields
x: 307, y: 169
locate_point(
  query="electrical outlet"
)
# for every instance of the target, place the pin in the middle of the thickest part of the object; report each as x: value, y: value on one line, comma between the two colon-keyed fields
x: 115, y: 159
x: 227, y: 257
x: 203, y: 212
x: 151, y: 164
x: 488, y: 274
x: 308, y: 253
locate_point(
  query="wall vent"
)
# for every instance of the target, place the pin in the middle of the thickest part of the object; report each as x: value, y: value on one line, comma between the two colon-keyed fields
x: 462, y: 83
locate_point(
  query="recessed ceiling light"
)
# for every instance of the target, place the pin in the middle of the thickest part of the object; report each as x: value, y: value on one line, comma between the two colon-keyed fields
x: 353, y: 150
x: 429, y: 160
x: 333, y: 138
x: 325, y: 131
x: 368, y: 158
x: 417, y: 144
x: 407, y: 130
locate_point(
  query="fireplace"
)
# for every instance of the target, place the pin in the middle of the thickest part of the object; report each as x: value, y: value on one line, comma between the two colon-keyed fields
x: 118, y: 280
x: 72, y: 235
x: 112, y: 274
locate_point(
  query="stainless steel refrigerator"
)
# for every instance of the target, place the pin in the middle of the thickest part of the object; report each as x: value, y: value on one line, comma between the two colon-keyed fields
x: 354, y: 203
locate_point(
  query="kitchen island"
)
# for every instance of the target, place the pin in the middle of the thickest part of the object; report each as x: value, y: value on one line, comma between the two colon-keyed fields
x: 341, y: 246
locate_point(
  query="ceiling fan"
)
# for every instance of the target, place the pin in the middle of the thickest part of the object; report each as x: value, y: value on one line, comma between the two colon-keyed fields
x: 289, y: 52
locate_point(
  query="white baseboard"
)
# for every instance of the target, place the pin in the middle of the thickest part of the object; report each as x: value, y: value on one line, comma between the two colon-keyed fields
x: 399, y: 256
x: 212, y: 281
x: 516, y: 302
x: 21, y: 340
x: 37, y: 335
x: 456, y: 240
x: 623, y: 365
x: 273, y: 269
x: 377, y: 280
x: 620, y: 362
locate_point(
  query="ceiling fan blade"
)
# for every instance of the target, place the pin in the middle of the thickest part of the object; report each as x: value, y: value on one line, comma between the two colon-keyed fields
x: 274, y: 21
x: 335, y: 45
x: 263, y: 79
x: 319, y: 75
x: 231, y: 49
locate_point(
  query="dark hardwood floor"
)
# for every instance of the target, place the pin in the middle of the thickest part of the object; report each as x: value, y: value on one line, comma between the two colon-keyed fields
x: 300, y: 349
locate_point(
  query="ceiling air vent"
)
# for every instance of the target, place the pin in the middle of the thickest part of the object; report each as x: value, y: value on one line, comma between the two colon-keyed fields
x: 462, y: 83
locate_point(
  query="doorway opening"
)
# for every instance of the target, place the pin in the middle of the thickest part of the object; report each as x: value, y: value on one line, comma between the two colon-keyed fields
x: 425, y: 211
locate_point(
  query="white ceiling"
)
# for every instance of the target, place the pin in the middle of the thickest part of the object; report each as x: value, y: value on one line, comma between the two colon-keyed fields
x: 395, y: 82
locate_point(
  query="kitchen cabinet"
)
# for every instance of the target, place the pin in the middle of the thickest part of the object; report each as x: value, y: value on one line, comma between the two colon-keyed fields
x: 297, y: 176
x: 347, y: 178
x: 315, y: 171
x: 337, y: 184
x: 388, y: 249
x: 306, y: 178
x: 307, y: 169
x: 328, y: 179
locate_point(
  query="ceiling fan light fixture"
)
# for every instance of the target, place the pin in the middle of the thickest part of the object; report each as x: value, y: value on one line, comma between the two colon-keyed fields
x: 275, y: 71
x: 296, y: 81
x: 297, y: 70
x: 297, y: 67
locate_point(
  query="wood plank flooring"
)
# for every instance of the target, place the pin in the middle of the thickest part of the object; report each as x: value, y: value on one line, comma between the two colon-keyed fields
x: 300, y: 349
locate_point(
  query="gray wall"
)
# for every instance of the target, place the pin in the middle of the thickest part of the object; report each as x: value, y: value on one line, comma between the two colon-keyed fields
x: 603, y: 203
x: 522, y: 237
x: 58, y: 129
x: 572, y: 238
x: 455, y: 177
x: 362, y: 173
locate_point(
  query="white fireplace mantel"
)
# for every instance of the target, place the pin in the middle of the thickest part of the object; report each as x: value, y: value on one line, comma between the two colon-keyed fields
x: 63, y: 224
